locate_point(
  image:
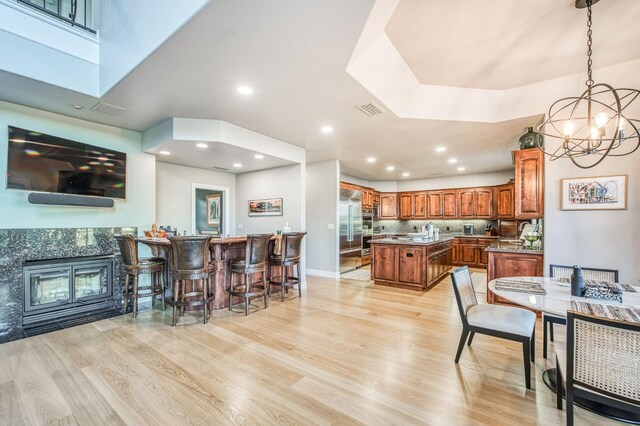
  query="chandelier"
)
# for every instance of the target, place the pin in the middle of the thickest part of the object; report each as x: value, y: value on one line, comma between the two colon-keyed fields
x: 593, y: 125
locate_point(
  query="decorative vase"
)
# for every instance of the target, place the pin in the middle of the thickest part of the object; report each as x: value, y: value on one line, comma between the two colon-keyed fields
x: 577, y: 282
x: 531, y: 139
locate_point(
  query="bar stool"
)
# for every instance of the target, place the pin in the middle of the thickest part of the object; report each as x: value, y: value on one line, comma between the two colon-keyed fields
x: 190, y: 263
x: 287, y: 255
x: 133, y: 267
x: 255, y: 262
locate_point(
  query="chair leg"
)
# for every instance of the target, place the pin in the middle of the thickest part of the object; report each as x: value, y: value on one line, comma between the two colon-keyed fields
x: 246, y: 290
x: 264, y: 283
x: 135, y: 295
x: 551, y: 331
x: 162, y: 289
x: 230, y: 290
x: 545, y: 324
x: 473, y: 333
x: 558, y: 386
x: 569, y: 407
x: 205, y: 292
x: 283, y: 271
x: 126, y: 293
x: 299, y: 281
x: 526, y: 349
x: 463, y: 339
x: 183, y: 290
x: 533, y: 345
x: 176, y: 287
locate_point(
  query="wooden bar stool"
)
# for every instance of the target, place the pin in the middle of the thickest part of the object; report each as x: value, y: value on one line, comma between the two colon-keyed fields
x: 133, y: 267
x: 190, y: 265
x: 286, y: 256
x: 255, y: 262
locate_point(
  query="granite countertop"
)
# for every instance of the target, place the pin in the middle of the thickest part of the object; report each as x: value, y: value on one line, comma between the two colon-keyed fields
x: 470, y: 236
x: 424, y: 242
x: 504, y: 245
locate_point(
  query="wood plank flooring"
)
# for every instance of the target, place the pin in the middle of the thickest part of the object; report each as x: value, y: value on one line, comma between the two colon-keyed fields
x: 346, y: 353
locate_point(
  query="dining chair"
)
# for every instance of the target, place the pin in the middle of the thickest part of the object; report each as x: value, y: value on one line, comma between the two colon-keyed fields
x: 564, y: 271
x: 506, y: 322
x: 600, y: 361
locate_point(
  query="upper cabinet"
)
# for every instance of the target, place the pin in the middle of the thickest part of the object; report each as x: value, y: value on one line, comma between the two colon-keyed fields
x: 419, y: 205
x: 529, y: 186
x: 405, y: 202
x: 449, y: 204
x: 505, y: 201
x: 434, y: 204
x: 412, y: 205
x: 388, y: 205
x: 475, y: 203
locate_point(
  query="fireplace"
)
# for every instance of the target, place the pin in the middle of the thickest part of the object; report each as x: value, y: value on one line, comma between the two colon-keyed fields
x: 59, y: 288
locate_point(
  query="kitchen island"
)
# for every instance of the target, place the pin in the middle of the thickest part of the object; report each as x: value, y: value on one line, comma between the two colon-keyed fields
x: 410, y: 264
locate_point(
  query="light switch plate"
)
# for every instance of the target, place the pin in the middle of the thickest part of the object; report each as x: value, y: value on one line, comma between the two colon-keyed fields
x: 331, y: 226
x: 240, y: 226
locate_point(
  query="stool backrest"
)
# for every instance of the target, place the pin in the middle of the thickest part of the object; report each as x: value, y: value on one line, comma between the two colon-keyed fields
x: 464, y: 291
x: 128, y: 249
x: 190, y: 253
x: 257, y: 250
x: 602, y: 356
x: 291, y: 245
x: 596, y: 274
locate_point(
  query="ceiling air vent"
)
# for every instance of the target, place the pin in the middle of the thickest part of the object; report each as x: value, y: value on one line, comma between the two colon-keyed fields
x: 222, y: 169
x: 106, y: 108
x: 370, y: 109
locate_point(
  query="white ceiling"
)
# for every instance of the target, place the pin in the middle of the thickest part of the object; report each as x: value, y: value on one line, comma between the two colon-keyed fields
x: 502, y: 44
x: 294, y: 53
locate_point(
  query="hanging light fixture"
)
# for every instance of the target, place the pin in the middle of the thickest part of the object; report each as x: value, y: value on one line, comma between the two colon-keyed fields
x: 593, y: 125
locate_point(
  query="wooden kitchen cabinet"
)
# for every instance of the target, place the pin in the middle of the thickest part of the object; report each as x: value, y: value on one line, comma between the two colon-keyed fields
x: 455, y: 248
x: 410, y: 264
x: 529, y: 183
x: 388, y: 205
x: 465, y: 204
x: 475, y: 203
x: 376, y: 199
x: 483, y: 256
x: 434, y: 205
x: 467, y: 251
x: 512, y: 264
x: 419, y: 205
x: 505, y: 201
x: 405, y: 201
x: 449, y: 204
x: 384, y: 263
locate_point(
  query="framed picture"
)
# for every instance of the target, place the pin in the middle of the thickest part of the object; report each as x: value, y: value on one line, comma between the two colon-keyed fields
x: 213, y: 210
x: 265, y: 207
x: 595, y: 193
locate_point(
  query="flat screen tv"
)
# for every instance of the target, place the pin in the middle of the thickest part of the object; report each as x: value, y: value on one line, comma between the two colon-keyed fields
x: 45, y: 163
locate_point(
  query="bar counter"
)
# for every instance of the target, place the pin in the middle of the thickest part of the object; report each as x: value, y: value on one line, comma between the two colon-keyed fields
x: 222, y: 250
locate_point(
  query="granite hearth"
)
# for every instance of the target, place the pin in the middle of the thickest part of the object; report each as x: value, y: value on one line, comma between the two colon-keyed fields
x: 20, y: 245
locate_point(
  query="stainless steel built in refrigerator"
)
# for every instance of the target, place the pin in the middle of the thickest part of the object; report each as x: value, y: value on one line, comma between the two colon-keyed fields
x: 350, y: 230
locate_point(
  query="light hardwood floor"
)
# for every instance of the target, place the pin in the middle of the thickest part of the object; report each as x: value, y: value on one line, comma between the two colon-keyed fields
x: 346, y: 353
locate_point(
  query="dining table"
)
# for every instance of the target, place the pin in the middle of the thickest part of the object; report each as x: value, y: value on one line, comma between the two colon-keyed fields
x: 556, y: 301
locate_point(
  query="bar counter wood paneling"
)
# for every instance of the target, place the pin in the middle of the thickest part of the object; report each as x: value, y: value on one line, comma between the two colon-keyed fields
x: 223, y: 251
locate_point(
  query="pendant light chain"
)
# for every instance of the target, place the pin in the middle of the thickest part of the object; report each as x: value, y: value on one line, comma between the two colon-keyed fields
x: 589, y: 81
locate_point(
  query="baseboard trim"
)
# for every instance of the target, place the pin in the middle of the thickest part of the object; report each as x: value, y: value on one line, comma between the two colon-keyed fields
x: 321, y: 273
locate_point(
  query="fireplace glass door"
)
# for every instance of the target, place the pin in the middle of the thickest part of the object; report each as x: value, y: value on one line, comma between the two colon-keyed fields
x: 90, y: 282
x: 50, y: 287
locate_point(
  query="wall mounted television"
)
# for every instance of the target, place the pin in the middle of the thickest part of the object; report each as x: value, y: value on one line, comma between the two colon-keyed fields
x: 45, y: 163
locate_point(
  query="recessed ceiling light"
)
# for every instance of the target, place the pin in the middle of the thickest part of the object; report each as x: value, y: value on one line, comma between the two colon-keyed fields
x: 441, y: 148
x: 76, y: 106
x: 258, y: 156
x: 202, y: 145
x: 326, y: 129
x: 391, y: 168
x: 461, y: 169
x: 452, y: 160
x: 164, y: 152
x: 237, y: 165
x: 245, y: 90
x: 371, y: 160
x: 405, y: 174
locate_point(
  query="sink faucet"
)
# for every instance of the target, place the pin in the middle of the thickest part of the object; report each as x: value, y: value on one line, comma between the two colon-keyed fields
x: 522, y: 225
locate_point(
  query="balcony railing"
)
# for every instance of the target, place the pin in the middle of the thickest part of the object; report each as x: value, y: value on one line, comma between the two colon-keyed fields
x: 76, y: 13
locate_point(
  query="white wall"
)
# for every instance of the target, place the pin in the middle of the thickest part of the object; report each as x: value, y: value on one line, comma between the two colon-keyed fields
x: 174, y: 188
x: 137, y: 210
x: 322, y: 204
x: 462, y: 181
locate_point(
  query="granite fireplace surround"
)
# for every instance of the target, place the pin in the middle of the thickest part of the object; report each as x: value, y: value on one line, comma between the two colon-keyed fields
x: 20, y: 245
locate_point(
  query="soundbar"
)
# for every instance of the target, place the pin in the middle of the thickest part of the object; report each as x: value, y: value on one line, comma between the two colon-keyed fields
x: 69, y: 200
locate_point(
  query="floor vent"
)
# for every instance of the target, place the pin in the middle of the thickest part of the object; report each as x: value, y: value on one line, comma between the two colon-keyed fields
x: 370, y: 109
x: 222, y: 169
x: 106, y: 108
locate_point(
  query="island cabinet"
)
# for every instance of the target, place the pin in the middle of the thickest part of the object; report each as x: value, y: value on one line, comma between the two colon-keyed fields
x: 410, y: 265
x: 529, y: 185
x: 475, y: 203
x: 388, y: 205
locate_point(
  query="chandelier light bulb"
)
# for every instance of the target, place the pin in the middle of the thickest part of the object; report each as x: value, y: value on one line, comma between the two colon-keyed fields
x: 621, y: 123
x: 595, y: 133
x: 602, y: 119
x: 568, y: 129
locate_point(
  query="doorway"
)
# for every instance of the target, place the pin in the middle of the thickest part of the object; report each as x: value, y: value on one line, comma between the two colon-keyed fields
x: 210, y: 209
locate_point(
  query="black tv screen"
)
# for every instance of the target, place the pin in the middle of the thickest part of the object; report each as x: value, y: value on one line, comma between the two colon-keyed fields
x: 45, y: 163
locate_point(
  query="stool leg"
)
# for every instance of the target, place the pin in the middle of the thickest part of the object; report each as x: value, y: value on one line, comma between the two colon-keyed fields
x: 135, y: 295
x: 230, y: 290
x: 299, y: 281
x: 204, y: 299
x: 264, y: 283
x: 283, y: 271
x: 246, y: 297
x: 153, y: 287
x: 126, y: 292
x: 183, y: 290
x: 162, y: 285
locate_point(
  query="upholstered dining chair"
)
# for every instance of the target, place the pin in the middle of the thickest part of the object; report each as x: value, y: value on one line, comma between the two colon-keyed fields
x: 506, y: 322
x: 599, y: 360
x: 563, y: 271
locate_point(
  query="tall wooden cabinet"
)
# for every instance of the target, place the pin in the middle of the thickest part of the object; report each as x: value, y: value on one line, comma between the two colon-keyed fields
x: 529, y: 186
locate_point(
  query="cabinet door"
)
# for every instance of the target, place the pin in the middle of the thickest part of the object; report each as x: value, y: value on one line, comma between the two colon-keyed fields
x: 376, y: 198
x: 434, y: 204
x: 514, y: 265
x: 505, y: 202
x: 465, y: 203
x: 406, y: 205
x: 419, y: 205
x: 388, y: 206
x: 449, y: 205
x: 483, y: 256
x: 432, y: 269
x: 454, y: 253
x: 384, y: 263
x: 529, y: 197
x: 409, y: 265
x: 467, y: 254
x: 483, y: 203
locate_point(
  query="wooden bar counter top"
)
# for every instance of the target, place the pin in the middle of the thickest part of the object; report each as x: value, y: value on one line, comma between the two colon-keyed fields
x: 223, y: 251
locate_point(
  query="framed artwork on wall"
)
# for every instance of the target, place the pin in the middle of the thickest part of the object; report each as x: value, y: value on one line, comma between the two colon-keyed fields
x: 213, y: 210
x: 595, y: 193
x: 265, y: 207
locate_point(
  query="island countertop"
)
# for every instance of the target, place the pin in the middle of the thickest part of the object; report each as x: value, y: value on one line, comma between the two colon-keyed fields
x: 507, y: 245
x: 411, y: 242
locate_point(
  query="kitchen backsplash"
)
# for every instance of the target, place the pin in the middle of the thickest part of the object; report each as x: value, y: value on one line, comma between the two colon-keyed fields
x: 406, y: 226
